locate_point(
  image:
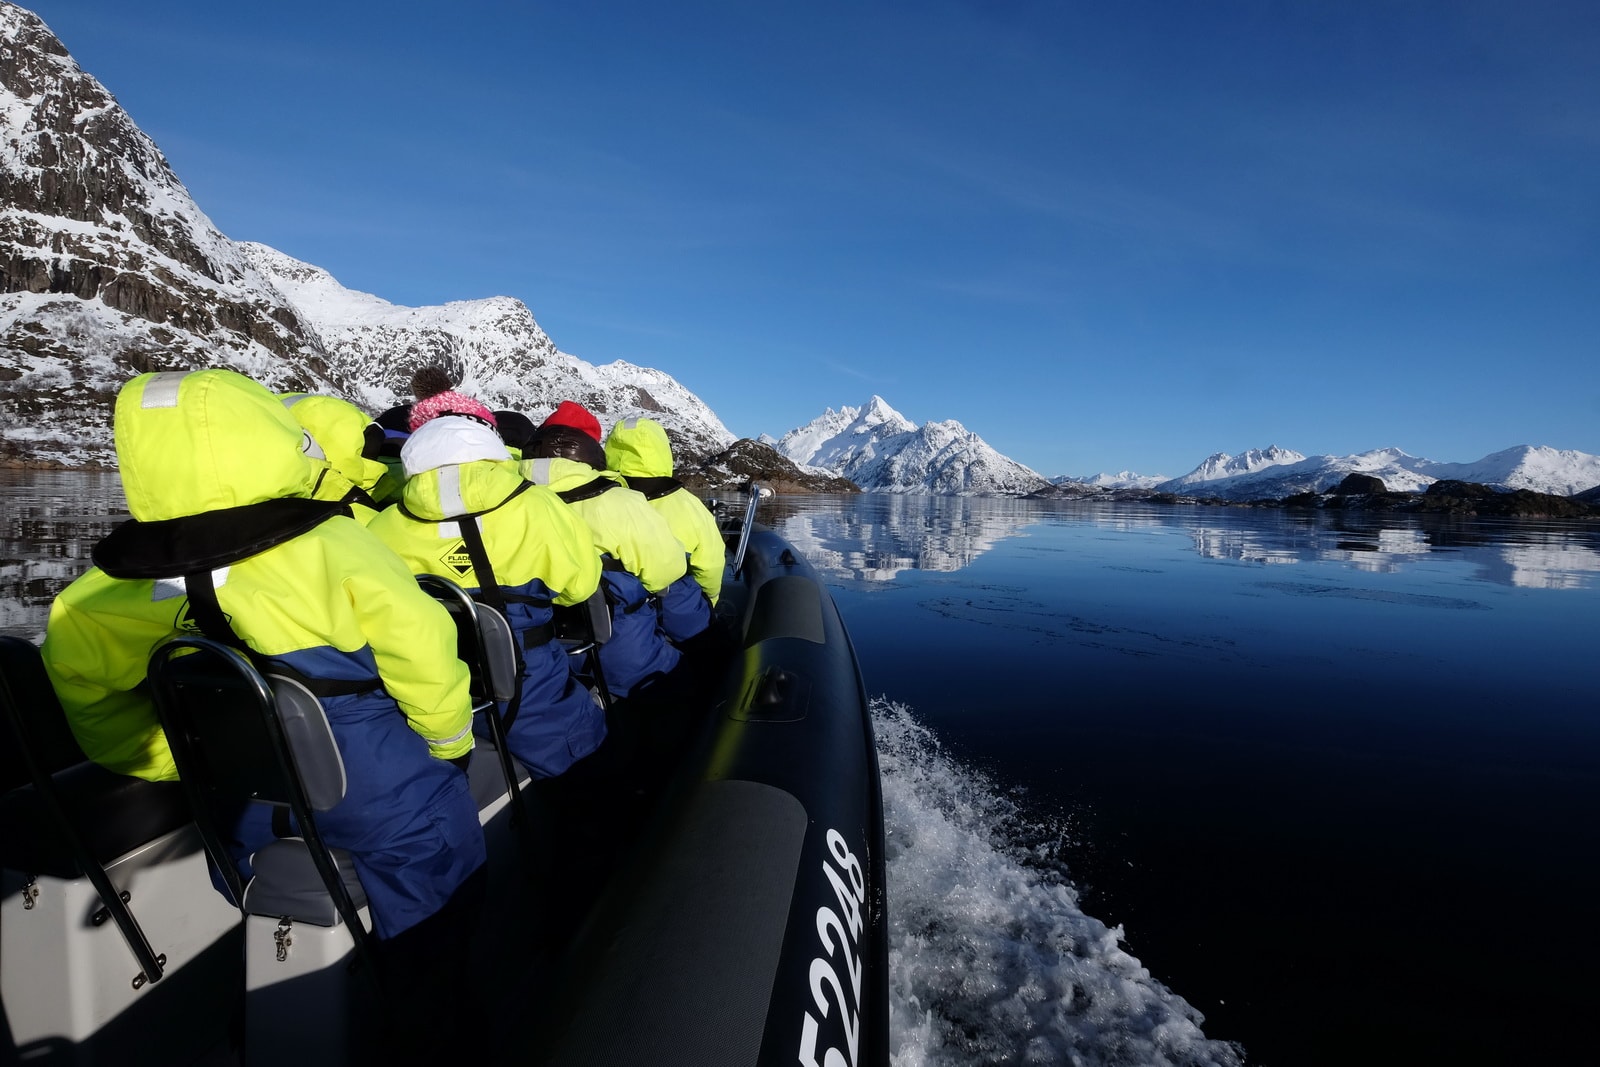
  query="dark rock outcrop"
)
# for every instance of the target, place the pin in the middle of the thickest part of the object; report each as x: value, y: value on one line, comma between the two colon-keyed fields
x: 1359, y: 484
x: 1473, y: 499
x: 1450, y: 497
x: 746, y: 460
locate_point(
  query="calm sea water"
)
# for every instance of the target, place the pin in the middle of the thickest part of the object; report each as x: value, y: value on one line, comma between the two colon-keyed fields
x: 1336, y: 780
x: 1190, y: 785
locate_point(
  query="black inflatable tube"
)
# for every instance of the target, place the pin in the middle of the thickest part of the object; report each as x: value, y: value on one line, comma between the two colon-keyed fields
x: 751, y: 926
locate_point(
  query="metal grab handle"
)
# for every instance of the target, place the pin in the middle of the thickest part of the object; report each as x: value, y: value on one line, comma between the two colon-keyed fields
x: 756, y: 492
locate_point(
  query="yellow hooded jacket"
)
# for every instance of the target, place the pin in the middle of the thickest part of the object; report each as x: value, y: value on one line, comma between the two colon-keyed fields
x: 215, y: 480
x: 638, y: 450
x: 335, y: 435
x: 620, y: 522
x: 531, y: 537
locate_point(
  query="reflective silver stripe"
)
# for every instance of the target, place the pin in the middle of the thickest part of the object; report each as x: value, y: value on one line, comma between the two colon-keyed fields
x: 162, y: 390
x: 449, y: 530
x: 539, y: 472
x: 451, y: 740
x: 291, y: 401
x: 309, y: 446
x: 450, y: 501
x: 630, y: 424
x: 167, y: 589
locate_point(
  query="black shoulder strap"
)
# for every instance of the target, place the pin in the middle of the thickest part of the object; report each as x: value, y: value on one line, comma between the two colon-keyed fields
x: 358, y: 495
x: 489, y: 592
x: 207, y: 612
x: 488, y: 586
x: 588, y: 490
x: 655, y: 488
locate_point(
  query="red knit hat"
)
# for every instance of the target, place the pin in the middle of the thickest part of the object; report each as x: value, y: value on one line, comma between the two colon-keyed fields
x: 570, y: 413
x: 448, y: 403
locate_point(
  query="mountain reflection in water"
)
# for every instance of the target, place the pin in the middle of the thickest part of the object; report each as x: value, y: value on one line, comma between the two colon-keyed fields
x: 51, y: 520
x: 877, y: 538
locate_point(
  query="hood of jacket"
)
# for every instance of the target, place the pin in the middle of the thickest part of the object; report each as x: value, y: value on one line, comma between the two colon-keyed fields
x: 447, y: 440
x: 456, y: 466
x: 638, y: 448
x: 190, y: 442
x: 338, y: 435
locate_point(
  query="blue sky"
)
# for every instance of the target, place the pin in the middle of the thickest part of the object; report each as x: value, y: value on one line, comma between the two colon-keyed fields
x: 1103, y: 236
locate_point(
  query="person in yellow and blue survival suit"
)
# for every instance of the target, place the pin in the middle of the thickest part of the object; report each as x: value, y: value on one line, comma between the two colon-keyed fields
x: 641, y: 558
x: 536, y: 552
x: 337, y: 439
x: 224, y: 535
x: 638, y: 450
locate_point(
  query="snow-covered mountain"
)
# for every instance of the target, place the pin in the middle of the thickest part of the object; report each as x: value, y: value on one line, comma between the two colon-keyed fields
x: 835, y: 440
x: 883, y: 451
x: 1220, y: 466
x: 494, y: 348
x: 108, y: 268
x: 1274, y: 473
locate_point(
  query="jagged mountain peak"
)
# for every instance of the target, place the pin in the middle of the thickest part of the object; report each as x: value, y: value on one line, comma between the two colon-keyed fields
x: 877, y: 412
x: 1223, y: 465
x: 110, y: 267
x: 69, y: 152
x: 882, y: 451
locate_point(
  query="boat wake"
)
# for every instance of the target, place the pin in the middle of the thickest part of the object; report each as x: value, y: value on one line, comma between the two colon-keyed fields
x: 991, y: 960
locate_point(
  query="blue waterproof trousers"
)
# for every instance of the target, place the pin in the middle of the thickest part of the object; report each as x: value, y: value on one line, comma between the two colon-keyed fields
x: 685, y: 609
x: 638, y: 650
x: 557, y: 722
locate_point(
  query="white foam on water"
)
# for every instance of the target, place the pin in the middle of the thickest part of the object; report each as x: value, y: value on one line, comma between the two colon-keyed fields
x: 991, y: 960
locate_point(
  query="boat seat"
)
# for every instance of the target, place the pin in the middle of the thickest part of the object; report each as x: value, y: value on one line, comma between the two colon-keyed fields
x: 485, y: 776
x: 288, y: 884
x: 581, y: 629
x: 62, y: 816
x: 238, y: 737
x: 113, y: 814
x: 581, y: 625
x: 486, y: 643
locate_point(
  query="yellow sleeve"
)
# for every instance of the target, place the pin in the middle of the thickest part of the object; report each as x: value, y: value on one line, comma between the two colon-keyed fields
x: 641, y: 539
x: 697, y: 529
x: 574, y: 571
x: 96, y: 651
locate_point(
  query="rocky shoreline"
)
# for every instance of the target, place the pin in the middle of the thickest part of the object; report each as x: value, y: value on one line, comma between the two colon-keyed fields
x: 1363, y: 492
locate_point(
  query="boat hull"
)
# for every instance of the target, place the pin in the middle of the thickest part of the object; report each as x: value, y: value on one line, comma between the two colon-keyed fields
x: 750, y: 927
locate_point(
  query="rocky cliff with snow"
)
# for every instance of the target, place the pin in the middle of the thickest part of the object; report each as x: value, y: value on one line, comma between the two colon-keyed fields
x: 882, y: 451
x: 492, y: 347
x: 108, y: 269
